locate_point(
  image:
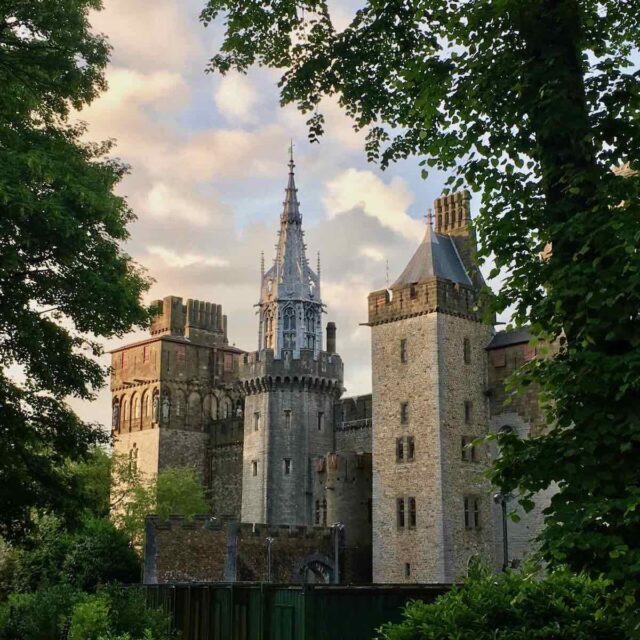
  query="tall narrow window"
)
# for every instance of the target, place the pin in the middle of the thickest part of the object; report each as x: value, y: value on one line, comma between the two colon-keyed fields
x: 464, y: 445
x: 412, y: 513
x: 399, y: 449
x: 400, y: 512
x: 471, y: 512
x: 317, y: 512
x: 324, y: 513
x: 467, y: 351
x: 310, y: 329
x: 254, y: 467
x: 467, y: 411
x: 413, y: 292
x: 286, y: 466
x: 287, y: 418
x: 256, y: 421
x: 146, y: 353
x: 411, y: 448
x: 404, y: 412
x: 268, y: 330
x: 403, y: 350
x: 407, y: 569
x: 289, y: 327
x: 320, y: 420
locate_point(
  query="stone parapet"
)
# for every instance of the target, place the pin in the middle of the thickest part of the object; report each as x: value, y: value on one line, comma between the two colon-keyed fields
x: 418, y: 299
x: 260, y: 371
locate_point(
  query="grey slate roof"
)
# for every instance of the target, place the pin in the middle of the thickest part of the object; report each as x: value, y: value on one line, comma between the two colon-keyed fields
x: 437, y: 257
x: 508, y: 338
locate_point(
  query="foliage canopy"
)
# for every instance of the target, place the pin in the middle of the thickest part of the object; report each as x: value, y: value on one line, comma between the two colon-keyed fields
x: 64, y: 281
x: 531, y: 104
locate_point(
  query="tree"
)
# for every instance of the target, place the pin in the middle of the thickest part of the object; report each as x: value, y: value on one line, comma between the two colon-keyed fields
x: 531, y: 103
x: 64, y: 280
x: 176, y: 490
x: 512, y: 606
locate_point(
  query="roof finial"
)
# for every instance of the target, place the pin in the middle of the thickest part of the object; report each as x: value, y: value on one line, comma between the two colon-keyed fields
x: 291, y: 163
x: 429, y: 217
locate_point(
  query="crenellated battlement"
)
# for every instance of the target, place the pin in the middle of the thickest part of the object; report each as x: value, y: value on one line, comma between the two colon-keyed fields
x: 421, y: 298
x: 197, y: 320
x: 242, y: 530
x: 260, y: 371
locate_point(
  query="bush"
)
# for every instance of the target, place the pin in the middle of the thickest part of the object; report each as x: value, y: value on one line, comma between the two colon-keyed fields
x: 38, y: 616
x: 113, y: 613
x: 513, y: 606
x: 90, y: 619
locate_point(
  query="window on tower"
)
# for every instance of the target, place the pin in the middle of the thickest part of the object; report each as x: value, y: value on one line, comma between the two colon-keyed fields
x: 289, y: 328
x: 404, y: 413
x: 268, y: 330
x: 400, y: 512
x: 287, y: 419
x: 403, y: 350
x: 286, y: 466
x: 310, y: 329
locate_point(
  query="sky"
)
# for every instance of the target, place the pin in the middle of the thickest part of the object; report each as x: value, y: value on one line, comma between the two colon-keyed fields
x: 208, y: 157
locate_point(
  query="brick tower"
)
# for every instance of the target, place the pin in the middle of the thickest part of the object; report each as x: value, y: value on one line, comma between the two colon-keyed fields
x: 290, y: 384
x: 432, y: 508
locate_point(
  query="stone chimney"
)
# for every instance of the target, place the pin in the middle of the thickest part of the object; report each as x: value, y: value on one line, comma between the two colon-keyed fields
x: 331, y: 337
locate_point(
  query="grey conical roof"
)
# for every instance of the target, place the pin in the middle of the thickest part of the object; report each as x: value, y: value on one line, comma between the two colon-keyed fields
x: 436, y: 257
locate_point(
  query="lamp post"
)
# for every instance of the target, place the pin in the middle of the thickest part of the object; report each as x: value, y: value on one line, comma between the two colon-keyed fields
x: 337, y: 527
x: 502, y: 499
x: 269, y: 542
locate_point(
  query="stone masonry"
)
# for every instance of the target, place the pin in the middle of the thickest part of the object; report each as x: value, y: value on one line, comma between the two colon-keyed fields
x: 395, y: 477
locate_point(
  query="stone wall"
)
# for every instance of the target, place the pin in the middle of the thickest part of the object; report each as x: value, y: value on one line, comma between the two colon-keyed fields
x: 442, y: 390
x: 353, y: 424
x: 288, y: 420
x: 341, y: 488
x: 211, y: 550
x: 522, y: 415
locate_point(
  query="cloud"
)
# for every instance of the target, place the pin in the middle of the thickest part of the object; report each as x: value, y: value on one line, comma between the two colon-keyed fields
x: 372, y: 253
x: 182, y: 260
x: 163, y: 201
x: 162, y: 34
x: 237, y: 98
x: 388, y: 203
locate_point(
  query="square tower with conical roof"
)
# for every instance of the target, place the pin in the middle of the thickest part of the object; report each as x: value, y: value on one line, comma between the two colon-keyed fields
x: 432, y: 512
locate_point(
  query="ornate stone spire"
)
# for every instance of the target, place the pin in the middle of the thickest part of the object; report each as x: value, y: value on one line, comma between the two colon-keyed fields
x: 290, y: 304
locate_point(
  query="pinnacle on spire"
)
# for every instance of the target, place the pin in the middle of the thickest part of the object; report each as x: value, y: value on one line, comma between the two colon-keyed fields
x: 291, y: 206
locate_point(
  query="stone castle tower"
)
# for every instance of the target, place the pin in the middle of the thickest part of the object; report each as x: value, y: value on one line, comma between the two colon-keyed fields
x: 432, y: 507
x: 290, y: 384
x: 172, y: 393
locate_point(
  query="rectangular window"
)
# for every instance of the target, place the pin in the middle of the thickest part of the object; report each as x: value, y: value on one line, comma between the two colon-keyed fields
x: 413, y: 292
x: 287, y: 418
x: 254, y: 467
x: 407, y: 569
x: 467, y: 411
x: 404, y: 413
x: 464, y: 445
x: 317, y: 512
x: 256, y: 421
x: 471, y: 513
x: 399, y: 449
x: 320, y: 420
x: 412, y: 513
x: 400, y: 512
x: 411, y: 448
x: 286, y: 466
x: 228, y: 362
x: 403, y: 350
x: 324, y: 513
x: 467, y: 351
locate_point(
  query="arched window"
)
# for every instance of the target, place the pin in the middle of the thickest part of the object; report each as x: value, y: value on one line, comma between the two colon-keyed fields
x: 124, y: 413
x: 226, y: 407
x: 135, y: 407
x: 115, y: 414
x: 289, y: 327
x: 310, y: 329
x: 194, y: 410
x: 268, y: 329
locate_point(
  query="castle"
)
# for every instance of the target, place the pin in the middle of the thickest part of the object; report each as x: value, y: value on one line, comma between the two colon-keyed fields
x: 390, y: 485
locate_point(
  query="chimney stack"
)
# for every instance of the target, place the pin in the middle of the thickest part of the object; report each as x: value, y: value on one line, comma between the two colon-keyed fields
x: 331, y: 337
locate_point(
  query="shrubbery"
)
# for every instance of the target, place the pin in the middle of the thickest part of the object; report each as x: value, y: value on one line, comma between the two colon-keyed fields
x: 513, y: 606
x: 111, y: 613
